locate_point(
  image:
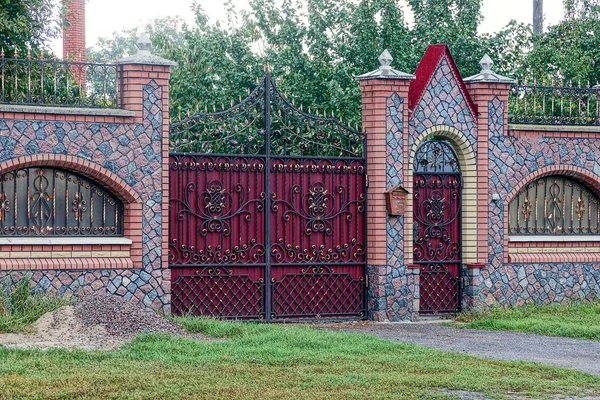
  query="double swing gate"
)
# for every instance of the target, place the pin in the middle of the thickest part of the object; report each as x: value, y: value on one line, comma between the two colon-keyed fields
x: 267, y: 213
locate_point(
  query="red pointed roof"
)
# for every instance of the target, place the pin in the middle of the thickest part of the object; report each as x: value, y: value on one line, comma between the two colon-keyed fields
x: 434, y: 54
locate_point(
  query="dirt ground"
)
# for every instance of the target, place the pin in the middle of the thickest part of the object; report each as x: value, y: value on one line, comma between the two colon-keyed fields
x: 62, y: 329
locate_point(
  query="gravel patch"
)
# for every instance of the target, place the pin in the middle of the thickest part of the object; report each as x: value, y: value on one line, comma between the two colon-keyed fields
x: 122, y: 318
x: 94, y: 323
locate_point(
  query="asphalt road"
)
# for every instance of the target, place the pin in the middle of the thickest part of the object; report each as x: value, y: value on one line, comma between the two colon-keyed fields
x: 578, y: 354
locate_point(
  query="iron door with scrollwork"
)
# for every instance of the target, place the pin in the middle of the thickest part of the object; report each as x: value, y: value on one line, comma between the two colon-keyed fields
x: 437, y: 185
x: 267, y: 213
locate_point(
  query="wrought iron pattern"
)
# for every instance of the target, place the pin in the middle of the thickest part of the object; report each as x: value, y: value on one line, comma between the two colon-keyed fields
x: 276, y: 220
x: 437, y: 188
x: 319, y: 292
x: 218, y: 292
x: 53, y: 202
x: 554, y: 105
x: 436, y: 157
x: 244, y: 127
x: 554, y: 205
x: 57, y: 83
x: 440, y: 288
x: 216, y: 210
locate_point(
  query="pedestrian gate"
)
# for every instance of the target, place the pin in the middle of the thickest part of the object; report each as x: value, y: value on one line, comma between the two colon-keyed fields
x: 267, y: 213
x: 437, y: 186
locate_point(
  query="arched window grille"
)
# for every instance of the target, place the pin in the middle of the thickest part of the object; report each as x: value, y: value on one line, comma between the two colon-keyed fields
x: 436, y: 157
x: 554, y: 205
x: 43, y: 201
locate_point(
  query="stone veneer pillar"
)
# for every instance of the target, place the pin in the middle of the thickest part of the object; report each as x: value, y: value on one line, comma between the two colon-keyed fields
x: 134, y: 74
x: 393, y: 294
x: 489, y: 91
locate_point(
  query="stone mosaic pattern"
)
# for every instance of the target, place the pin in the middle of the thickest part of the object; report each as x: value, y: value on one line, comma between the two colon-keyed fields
x: 511, y: 161
x: 443, y: 103
x: 393, y: 288
x: 393, y: 293
x: 134, y: 153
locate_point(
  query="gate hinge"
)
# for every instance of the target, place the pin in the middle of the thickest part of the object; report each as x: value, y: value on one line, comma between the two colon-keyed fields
x: 366, y: 180
x: 366, y: 280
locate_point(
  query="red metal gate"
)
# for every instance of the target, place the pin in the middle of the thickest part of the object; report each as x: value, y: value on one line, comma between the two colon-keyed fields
x: 437, y: 188
x: 270, y: 231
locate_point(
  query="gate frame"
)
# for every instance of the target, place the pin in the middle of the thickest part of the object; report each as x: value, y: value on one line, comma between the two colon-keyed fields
x: 269, y: 89
x: 460, y: 262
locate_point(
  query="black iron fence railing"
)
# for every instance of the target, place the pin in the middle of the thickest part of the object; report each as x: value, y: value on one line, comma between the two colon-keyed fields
x: 52, y: 82
x: 553, y: 105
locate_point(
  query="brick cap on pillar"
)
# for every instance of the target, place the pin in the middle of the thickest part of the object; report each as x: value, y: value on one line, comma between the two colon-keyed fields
x: 385, y: 71
x: 487, y: 75
x: 144, y: 54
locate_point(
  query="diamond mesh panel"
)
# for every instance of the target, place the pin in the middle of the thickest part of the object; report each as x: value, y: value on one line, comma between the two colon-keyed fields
x: 224, y: 296
x: 439, y: 290
x: 317, y: 295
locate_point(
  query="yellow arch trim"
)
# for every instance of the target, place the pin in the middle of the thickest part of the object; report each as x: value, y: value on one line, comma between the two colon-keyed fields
x: 468, y: 163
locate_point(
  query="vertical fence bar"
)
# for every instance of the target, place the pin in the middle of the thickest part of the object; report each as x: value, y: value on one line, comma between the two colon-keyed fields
x: 267, y: 297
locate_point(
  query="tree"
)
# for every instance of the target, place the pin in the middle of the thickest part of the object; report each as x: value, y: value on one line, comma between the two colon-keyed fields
x: 315, y: 48
x: 27, y: 24
x: 570, y: 50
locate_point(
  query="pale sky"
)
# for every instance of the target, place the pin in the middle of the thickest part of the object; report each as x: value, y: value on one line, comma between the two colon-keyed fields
x: 103, y: 17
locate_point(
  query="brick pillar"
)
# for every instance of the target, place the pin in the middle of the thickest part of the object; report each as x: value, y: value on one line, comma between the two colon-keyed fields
x: 489, y: 91
x: 74, y: 30
x: 392, y: 294
x: 143, y: 78
x: 74, y: 37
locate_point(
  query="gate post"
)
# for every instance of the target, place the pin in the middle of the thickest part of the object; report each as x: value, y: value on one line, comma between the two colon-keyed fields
x: 393, y: 288
x: 143, y: 87
x: 489, y: 91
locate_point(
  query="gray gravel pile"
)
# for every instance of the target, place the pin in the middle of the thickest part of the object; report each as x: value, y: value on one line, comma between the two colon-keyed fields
x: 121, y: 317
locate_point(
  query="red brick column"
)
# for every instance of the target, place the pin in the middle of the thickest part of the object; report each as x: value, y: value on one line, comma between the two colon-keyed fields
x: 393, y: 289
x: 134, y: 73
x: 375, y: 94
x: 74, y: 30
x: 482, y: 93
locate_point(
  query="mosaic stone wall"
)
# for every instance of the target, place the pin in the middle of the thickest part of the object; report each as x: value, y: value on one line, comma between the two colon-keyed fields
x: 512, y: 160
x: 443, y: 103
x: 393, y: 288
x: 134, y: 153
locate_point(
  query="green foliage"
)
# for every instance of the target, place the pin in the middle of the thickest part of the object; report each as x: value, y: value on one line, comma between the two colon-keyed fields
x: 570, y: 50
x: 19, y: 308
x: 27, y: 24
x: 578, y: 320
x: 316, y: 47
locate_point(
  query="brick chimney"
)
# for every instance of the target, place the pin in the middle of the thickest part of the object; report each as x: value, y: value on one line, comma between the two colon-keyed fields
x: 74, y: 30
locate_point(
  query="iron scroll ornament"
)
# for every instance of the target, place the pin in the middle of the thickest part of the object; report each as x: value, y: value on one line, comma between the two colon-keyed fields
x: 265, y: 121
x: 43, y: 201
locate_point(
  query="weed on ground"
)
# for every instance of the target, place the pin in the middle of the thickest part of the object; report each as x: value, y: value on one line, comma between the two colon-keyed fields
x: 578, y: 320
x: 19, y: 309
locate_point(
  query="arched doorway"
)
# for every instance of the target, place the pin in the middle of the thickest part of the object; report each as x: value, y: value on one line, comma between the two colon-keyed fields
x: 437, y: 187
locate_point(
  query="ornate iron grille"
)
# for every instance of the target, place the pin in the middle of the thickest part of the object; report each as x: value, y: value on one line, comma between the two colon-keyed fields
x: 554, y: 205
x: 57, y: 83
x: 53, y: 202
x: 279, y: 216
x: 554, y: 105
x: 437, y: 188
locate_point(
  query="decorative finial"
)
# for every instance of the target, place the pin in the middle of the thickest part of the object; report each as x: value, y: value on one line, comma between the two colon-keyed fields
x: 144, y: 44
x: 486, y: 64
x: 385, y: 59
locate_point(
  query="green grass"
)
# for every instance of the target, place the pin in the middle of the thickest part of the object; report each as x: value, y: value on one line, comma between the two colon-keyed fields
x: 19, y: 309
x: 578, y: 320
x: 260, y: 361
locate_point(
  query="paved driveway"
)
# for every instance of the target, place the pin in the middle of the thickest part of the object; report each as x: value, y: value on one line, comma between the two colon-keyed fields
x: 583, y: 355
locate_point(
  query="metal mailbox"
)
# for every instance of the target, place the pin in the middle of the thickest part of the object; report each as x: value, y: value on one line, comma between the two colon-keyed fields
x: 395, y: 199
